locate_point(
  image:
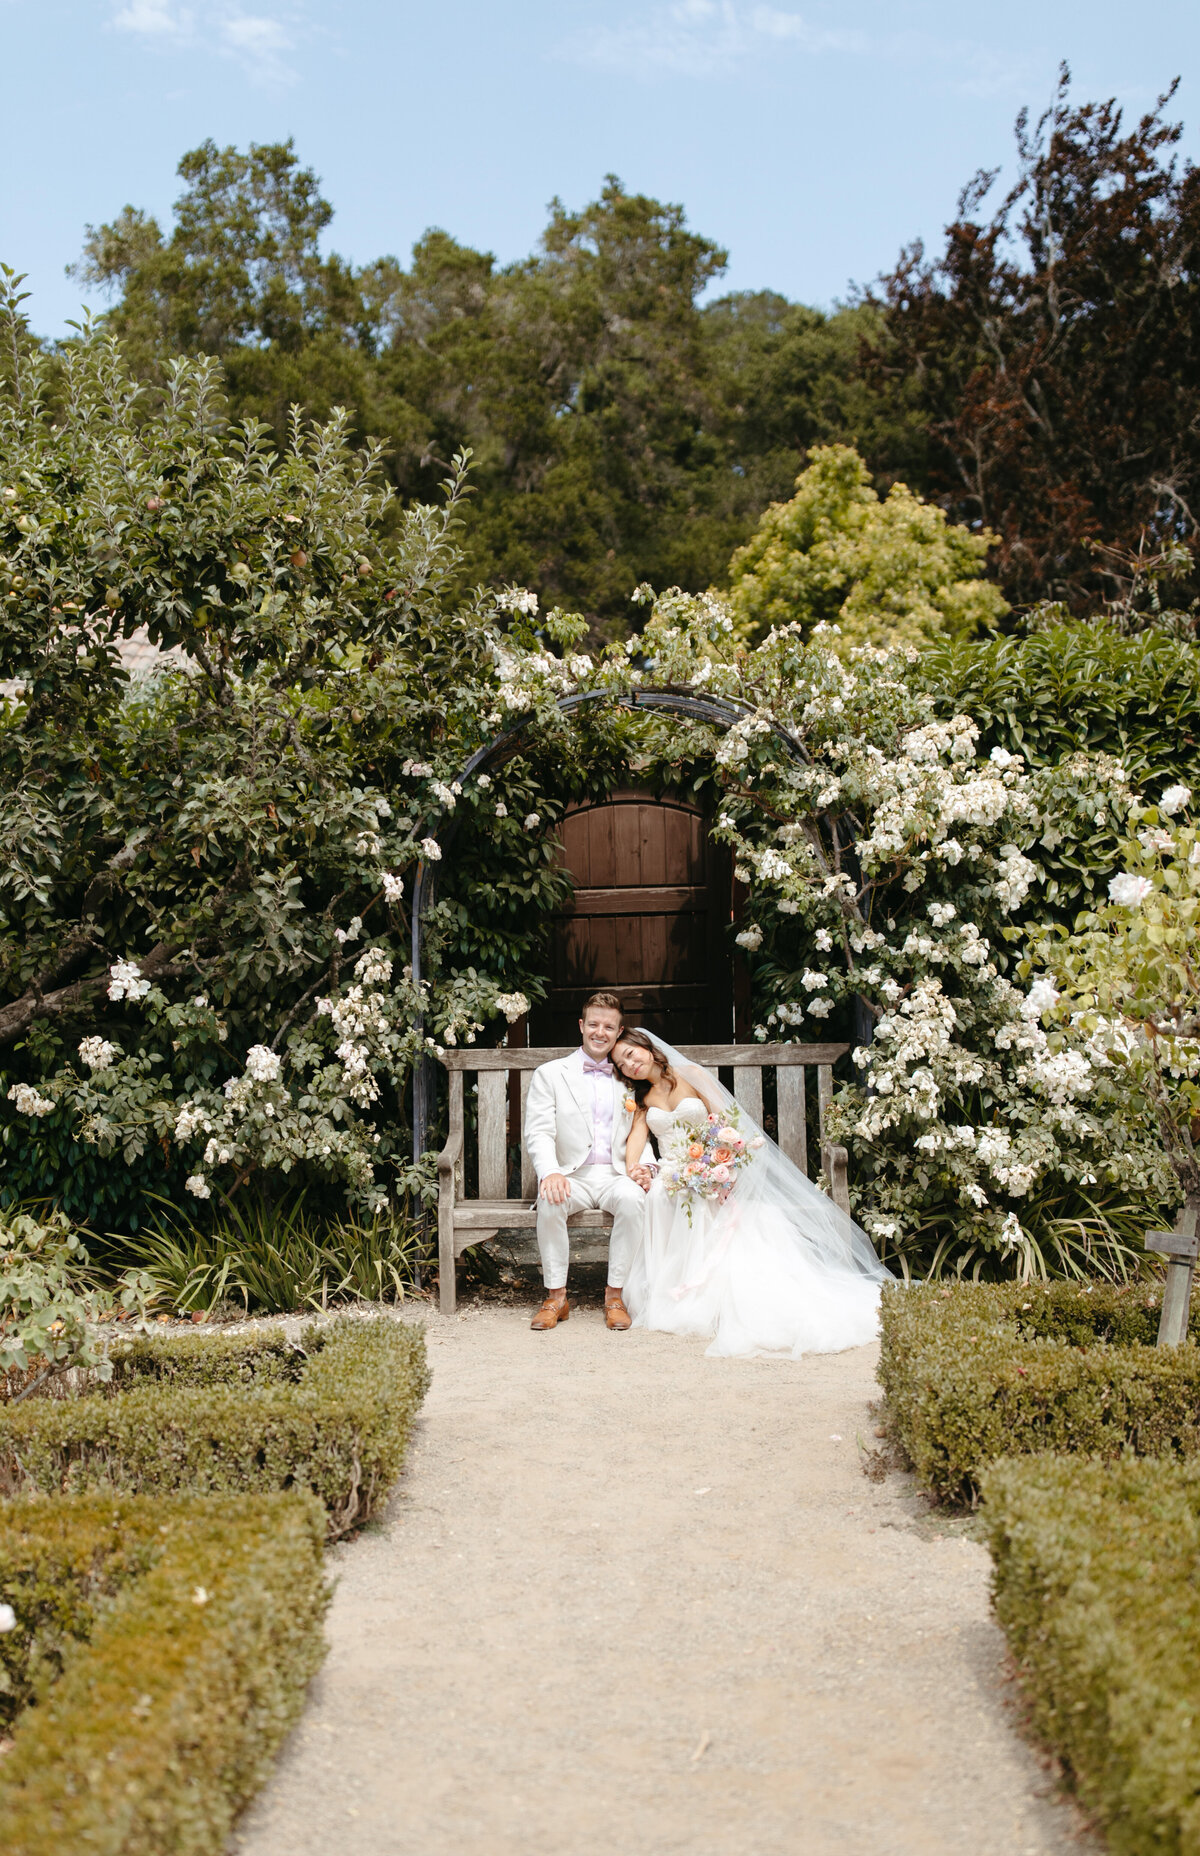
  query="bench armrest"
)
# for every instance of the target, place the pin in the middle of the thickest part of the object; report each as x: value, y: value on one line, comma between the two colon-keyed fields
x: 451, y: 1153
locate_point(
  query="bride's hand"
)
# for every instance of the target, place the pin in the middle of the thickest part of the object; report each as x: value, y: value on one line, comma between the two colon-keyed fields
x: 642, y: 1176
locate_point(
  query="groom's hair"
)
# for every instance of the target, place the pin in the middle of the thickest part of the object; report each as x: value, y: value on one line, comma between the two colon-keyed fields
x: 603, y: 1001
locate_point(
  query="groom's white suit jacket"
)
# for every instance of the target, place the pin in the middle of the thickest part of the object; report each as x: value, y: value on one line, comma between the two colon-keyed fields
x: 558, y: 1117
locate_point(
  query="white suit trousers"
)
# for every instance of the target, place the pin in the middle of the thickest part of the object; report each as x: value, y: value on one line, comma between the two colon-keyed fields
x: 593, y: 1189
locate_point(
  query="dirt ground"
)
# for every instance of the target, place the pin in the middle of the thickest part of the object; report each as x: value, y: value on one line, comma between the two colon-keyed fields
x: 630, y: 1599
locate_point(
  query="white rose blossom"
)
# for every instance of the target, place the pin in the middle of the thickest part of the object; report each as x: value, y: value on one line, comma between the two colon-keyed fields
x: 98, y: 1054
x: 126, y: 982
x: 1011, y: 1235
x: 1129, y: 891
x: 517, y: 599
x: 30, y: 1101
x: 262, y: 1064
x: 1042, y: 997
x: 431, y: 850
x: 1175, y: 799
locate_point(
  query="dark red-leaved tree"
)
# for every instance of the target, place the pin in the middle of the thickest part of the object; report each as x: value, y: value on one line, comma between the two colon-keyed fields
x: 1055, y: 349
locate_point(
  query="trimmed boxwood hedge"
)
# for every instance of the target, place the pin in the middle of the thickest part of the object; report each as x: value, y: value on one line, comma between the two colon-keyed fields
x: 1096, y: 1587
x: 214, y: 1414
x: 162, y: 1652
x: 975, y: 1371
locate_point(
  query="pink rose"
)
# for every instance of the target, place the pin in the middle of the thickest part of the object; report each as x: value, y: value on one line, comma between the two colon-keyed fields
x: 721, y: 1173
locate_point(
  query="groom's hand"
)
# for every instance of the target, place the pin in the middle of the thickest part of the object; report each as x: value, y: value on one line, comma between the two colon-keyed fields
x: 556, y: 1187
x: 643, y: 1177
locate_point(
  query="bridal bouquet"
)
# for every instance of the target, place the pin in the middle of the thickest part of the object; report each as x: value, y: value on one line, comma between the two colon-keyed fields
x: 703, y: 1159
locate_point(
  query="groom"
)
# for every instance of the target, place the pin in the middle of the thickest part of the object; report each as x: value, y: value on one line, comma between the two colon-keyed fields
x: 576, y: 1124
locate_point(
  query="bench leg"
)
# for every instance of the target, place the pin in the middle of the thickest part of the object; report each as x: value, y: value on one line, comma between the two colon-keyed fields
x: 447, y: 1267
x: 1177, y: 1302
x: 836, y: 1161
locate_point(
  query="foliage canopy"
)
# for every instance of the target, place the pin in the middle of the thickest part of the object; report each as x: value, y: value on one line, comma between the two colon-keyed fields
x: 1053, y: 352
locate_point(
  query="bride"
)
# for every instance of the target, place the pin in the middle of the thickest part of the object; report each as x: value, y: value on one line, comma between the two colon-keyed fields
x: 775, y: 1267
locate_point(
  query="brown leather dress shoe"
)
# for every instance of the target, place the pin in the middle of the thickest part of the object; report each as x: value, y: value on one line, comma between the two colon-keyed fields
x: 554, y: 1309
x: 616, y: 1315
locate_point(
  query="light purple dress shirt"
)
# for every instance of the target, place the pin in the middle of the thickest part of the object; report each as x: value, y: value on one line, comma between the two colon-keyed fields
x: 602, y: 1115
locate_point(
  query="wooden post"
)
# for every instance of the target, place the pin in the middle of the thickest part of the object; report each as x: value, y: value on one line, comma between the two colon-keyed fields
x: 1180, y: 1247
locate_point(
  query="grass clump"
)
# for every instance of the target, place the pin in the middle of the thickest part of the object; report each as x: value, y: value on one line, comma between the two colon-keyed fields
x: 217, y: 1415
x: 973, y: 1372
x: 275, y: 1257
x: 161, y: 1653
x: 1095, y: 1585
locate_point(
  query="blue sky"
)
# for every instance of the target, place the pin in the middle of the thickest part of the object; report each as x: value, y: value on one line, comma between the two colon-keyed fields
x: 812, y: 139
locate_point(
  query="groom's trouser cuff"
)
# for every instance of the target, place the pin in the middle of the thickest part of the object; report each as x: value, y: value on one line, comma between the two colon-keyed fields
x: 593, y: 1188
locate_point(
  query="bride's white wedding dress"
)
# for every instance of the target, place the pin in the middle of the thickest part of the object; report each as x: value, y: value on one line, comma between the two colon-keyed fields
x: 746, y: 1274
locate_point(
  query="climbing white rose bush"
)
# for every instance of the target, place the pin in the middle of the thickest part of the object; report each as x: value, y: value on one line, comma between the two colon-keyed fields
x: 892, y: 872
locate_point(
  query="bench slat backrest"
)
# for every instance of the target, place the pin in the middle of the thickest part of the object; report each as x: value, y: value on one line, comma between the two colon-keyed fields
x: 528, y: 1175
x: 793, y: 1115
x: 492, y: 1070
x: 493, y: 1134
x: 748, y: 1091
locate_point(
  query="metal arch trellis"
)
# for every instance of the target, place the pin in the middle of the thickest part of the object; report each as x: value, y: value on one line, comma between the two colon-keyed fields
x: 723, y: 711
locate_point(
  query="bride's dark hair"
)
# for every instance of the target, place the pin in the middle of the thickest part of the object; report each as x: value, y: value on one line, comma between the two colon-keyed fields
x: 641, y: 1087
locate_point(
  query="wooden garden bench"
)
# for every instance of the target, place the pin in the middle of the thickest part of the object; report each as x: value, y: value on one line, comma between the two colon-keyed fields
x: 464, y: 1222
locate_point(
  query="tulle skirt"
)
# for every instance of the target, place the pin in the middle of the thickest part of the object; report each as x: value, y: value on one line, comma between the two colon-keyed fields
x: 742, y: 1278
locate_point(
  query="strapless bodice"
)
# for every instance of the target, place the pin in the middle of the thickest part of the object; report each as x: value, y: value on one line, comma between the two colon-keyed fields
x: 662, y: 1120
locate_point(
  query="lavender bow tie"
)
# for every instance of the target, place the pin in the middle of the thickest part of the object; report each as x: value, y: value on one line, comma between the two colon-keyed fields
x: 591, y: 1068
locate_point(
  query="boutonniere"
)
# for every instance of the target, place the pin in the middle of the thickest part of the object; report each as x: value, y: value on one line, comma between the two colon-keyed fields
x: 630, y: 1104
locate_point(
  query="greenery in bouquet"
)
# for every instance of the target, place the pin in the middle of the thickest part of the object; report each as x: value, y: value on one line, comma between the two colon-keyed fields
x: 704, y: 1158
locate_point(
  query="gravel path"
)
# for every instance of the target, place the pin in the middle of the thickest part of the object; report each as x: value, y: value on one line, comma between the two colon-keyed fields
x: 629, y: 1599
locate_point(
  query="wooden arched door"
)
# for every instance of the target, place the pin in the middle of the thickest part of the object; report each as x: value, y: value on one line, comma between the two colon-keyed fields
x: 649, y: 920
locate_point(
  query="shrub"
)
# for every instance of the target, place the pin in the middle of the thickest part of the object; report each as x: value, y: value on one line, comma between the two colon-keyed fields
x: 215, y: 1416
x: 978, y: 1371
x: 1078, y: 687
x: 50, y: 1305
x: 1095, y: 1586
x: 165, y: 1647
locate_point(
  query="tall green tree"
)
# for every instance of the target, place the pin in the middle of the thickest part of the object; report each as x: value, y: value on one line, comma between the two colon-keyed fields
x: 623, y: 428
